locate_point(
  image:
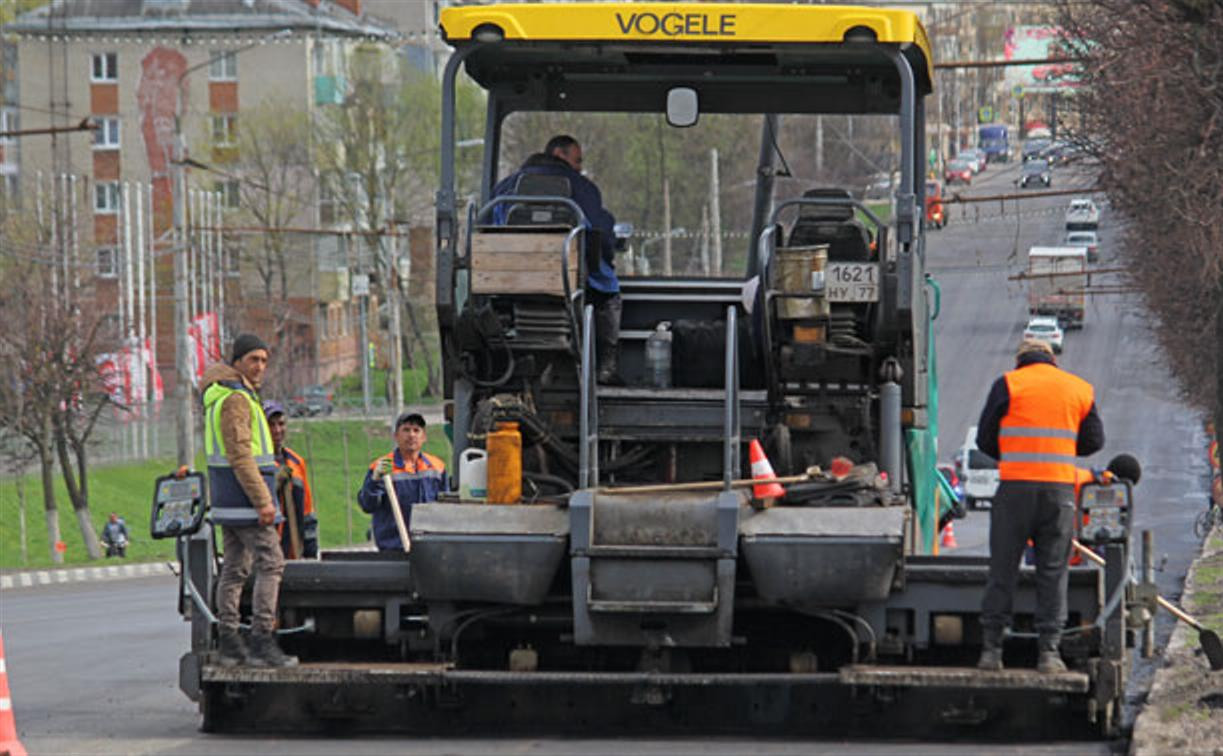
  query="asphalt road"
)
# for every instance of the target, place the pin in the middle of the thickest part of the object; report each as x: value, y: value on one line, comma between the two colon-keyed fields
x: 93, y: 666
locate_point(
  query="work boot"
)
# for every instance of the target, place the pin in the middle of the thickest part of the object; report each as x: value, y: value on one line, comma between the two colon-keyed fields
x: 607, y: 341
x: 991, y: 659
x: 1050, y: 662
x: 991, y: 651
x: 265, y: 652
x: 609, y: 373
x: 231, y: 648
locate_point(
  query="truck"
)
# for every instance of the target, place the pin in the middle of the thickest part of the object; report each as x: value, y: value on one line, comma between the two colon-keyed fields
x: 739, y: 538
x: 1057, y: 284
x: 994, y: 139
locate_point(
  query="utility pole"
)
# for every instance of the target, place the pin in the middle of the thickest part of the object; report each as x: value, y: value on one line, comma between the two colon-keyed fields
x: 666, y: 227
x: 705, y: 240
x: 715, y: 211
x: 819, y: 148
x: 394, y: 301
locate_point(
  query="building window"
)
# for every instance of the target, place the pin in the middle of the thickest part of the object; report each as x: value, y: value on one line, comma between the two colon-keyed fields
x: 106, y: 197
x: 106, y: 134
x: 231, y: 193
x: 224, y: 130
x: 232, y: 262
x: 328, y: 204
x: 8, y: 122
x: 108, y: 262
x: 223, y: 66
x: 105, y: 67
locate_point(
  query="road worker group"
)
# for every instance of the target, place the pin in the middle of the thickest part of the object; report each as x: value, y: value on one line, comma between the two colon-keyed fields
x: 260, y: 496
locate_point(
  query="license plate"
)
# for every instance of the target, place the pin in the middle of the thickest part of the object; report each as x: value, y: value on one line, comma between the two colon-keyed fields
x: 852, y: 282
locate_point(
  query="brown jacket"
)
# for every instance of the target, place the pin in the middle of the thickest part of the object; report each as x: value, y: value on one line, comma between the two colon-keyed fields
x: 236, y: 433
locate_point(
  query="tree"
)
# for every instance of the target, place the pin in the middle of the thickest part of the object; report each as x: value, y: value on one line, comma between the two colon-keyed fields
x: 1150, y: 110
x: 276, y: 190
x: 379, y: 152
x: 53, y: 393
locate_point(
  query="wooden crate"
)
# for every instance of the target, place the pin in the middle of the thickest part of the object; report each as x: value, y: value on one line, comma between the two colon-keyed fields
x: 521, y: 263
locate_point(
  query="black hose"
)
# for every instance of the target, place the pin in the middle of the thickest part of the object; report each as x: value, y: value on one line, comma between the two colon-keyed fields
x: 548, y: 480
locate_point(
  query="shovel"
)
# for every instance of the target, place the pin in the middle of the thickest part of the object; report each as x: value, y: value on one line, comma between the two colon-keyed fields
x: 389, y: 483
x: 1212, y: 646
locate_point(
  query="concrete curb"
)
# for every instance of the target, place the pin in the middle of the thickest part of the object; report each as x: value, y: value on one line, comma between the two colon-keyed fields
x: 39, y: 578
x: 1163, y: 724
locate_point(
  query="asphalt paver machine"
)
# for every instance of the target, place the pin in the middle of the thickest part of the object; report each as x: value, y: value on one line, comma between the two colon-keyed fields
x: 635, y: 582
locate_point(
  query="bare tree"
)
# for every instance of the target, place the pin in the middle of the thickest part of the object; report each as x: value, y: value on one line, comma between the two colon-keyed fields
x: 1150, y: 111
x: 277, y: 190
x: 379, y: 152
x: 53, y: 392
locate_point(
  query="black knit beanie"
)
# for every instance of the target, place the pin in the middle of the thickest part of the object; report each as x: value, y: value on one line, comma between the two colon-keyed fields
x: 246, y: 342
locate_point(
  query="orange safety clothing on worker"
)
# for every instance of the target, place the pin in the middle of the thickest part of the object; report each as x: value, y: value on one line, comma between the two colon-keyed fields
x: 1037, y: 436
x: 303, y: 507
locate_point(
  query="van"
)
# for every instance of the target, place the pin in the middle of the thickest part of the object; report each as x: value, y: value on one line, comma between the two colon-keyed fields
x: 978, y: 472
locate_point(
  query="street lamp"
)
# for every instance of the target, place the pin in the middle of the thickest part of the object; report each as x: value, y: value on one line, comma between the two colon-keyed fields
x: 182, y: 358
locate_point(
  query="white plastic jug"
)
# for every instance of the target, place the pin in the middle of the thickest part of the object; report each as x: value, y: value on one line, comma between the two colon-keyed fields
x: 473, y: 474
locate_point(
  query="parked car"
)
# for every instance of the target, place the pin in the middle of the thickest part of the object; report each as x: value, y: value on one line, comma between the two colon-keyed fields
x: 1082, y: 215
x: 936, y: 212
x: 1089, y: 239
x: 958, y: 170
x: 311, y: 401
x: 1046, y: 329
x: 978, y: 471
x: 975, y: 157
x: 1035, y: 172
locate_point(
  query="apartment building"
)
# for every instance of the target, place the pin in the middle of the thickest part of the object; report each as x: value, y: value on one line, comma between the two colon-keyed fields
x: 135, y: 69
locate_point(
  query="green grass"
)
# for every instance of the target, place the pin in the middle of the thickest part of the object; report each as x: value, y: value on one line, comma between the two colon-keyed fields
x: 128, y: 490
x: 349, y: 393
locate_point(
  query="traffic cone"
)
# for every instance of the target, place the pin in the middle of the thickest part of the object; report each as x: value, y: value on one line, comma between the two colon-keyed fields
x: 9, y: 744
x: 949, y: 537
x: 762, y: 470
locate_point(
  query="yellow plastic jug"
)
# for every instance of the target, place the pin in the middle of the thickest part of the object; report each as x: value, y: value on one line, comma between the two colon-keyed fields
x: 504, y: 464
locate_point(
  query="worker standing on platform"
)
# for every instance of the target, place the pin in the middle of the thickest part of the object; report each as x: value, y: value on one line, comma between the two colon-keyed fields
x: 418, y: 477
x: 299, y: 531
x: 241, y: 475
x: 1037, y: 419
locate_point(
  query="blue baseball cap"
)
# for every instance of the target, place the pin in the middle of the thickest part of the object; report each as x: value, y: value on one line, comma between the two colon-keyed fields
x: 273, y: 407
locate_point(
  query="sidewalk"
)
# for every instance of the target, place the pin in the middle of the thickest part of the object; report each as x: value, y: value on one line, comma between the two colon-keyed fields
x: 1184, y: 711
x: 35, y: 578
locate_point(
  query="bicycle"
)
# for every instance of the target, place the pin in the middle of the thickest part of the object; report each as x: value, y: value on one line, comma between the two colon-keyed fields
x: 1211, y: 518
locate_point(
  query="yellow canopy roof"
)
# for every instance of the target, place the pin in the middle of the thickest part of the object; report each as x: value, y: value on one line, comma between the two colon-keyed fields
x: 686, y: 23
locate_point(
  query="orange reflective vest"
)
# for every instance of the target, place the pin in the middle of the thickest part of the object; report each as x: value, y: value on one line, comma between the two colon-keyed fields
x: 1037, y: 436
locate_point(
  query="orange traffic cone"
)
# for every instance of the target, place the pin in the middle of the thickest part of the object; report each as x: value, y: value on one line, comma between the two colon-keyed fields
x: 9, y: 744
x: 762, y: 470
x: 949, y: 537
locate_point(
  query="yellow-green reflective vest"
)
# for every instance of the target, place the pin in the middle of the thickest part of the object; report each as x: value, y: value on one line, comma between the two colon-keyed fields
x: 230, y: 504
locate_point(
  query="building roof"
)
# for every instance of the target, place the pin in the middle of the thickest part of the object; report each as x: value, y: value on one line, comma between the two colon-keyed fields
x: 174, y: 16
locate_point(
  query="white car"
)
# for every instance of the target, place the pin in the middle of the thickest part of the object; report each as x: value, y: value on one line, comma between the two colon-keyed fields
x: 1089, y: 239
x: 1082, y: 215
x: 1047, y: 330
x: 978, y: 473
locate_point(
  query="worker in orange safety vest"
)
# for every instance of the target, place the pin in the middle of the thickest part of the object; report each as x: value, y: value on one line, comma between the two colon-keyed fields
x: 299, y: 531
x: 1037, y: 419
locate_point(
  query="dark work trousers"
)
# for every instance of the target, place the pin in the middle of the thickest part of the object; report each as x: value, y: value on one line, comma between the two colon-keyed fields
x: 244, y: 546
x: 1043, y: 512
x: 607, y: 326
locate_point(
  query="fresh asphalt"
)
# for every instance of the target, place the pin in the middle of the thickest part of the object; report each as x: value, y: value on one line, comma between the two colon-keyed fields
x: 93, y: 663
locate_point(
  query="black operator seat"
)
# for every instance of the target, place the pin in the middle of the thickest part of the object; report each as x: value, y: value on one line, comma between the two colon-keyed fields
x: 541, y: 214
x: 834, y: 225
